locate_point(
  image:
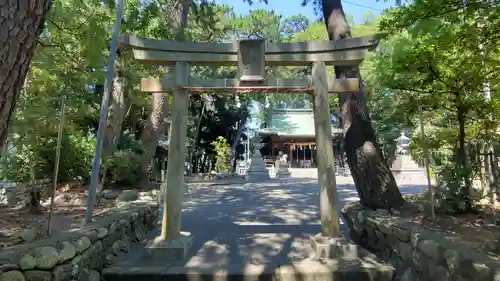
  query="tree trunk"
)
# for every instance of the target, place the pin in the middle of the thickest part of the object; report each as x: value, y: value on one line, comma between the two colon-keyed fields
x: 118, y: 108
x: 176, y: 14
x: 484, y: 168
x: 116, y: 116
x: 374, y: 181
x: 235, y: 142
x: 196, y: 143
x: 465, y: 180
x: 155, y: 128
x: 203, y: 163
x: 21, y: 22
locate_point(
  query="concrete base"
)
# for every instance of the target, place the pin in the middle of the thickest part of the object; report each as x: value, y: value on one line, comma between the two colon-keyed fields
x: 170, y: 250
x: 333, y: 248
x: 283, y: 171
x: 257, y: 175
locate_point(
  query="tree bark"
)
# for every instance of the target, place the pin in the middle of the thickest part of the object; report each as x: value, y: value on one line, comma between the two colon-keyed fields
x: 196, y: 143
x: 462, y: 163
x: 374, y: 181
x: 21, y: 22
x: 116, y: 116
x: 118, y: 107
x: 236, y: 141
x: 176, y: 14
x: 155, y: 128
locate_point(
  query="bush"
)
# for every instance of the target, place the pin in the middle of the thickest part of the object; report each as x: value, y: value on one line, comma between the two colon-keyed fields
x: 38, y: 154
x: 124, y: 167
x: 455, y: 191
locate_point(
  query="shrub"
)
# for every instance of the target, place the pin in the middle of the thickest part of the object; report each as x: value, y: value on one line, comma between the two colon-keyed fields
x: 38, y: 155
x: 124, y: 167
x: 222, y: 154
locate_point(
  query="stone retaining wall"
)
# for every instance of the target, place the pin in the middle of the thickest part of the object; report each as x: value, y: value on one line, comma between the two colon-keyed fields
x: 79, y: 254
x: 416, y: 253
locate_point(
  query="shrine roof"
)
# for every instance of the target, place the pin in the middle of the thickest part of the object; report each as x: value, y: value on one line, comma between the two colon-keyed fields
x: 293, y: 123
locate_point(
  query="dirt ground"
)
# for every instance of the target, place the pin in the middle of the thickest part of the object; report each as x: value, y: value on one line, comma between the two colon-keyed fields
x: 479, y: 230
x: 66, y: 216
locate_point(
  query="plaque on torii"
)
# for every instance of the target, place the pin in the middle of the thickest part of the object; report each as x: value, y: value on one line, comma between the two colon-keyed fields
x: 251, y: 61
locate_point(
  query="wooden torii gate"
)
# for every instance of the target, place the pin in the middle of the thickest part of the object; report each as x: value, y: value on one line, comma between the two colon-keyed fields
x: 250, y: 56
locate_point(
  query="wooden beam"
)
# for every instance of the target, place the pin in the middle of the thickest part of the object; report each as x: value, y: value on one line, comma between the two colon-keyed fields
x: 345, y: 57
x: 328, y: 206
x: 168, y: 83
x: 365, y: 42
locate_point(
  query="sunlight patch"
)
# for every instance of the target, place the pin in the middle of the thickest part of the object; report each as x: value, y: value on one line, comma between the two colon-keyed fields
x: 292, y: 216
x: 252, y: 223
x: 212, y: 254
x: 263, y: 247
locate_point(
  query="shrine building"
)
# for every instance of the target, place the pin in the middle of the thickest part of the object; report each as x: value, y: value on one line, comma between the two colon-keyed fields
x: 292, y: 132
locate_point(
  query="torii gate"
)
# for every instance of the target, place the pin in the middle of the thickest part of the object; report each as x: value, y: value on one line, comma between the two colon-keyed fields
x: 250, y: 56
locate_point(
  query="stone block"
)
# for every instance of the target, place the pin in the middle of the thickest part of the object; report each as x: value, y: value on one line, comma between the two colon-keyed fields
x: 401, y: 233
x: 327, y: 247
x: 170, y: 250
x: 431, y: 249
x: 132, y: 273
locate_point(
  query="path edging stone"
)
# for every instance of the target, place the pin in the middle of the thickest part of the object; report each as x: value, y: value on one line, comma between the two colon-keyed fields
x: 416, y: 252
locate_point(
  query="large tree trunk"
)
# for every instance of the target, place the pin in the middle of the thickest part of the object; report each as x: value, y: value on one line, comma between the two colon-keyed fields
x: 155, y: 128
x: 118, y: 109
x: 374, y: 181
x: 176, y: 14
x: 21, y: 22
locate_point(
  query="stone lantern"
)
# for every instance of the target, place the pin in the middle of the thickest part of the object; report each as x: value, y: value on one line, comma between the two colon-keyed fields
x: 403, y: 142
x: 403, y: 167
x: 257, y: 170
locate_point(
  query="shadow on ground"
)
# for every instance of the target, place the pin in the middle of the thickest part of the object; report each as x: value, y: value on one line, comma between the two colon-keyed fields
x: 262, y: 225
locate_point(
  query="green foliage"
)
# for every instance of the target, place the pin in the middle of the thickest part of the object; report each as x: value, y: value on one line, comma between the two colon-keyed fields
x: 222, y: 154
x: 434, y: 65
x: 77, y: 151
x: 124, y: 168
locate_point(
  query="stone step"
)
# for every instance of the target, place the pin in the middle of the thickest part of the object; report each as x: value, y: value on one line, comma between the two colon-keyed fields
x: 309, y: 270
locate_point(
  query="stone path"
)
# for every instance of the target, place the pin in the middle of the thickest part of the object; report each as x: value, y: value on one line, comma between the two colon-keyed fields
x: 250, y: 227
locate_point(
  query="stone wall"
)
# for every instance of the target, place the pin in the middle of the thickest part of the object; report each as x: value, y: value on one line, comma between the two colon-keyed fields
x: 79, y: 254
x: 417, y: 253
